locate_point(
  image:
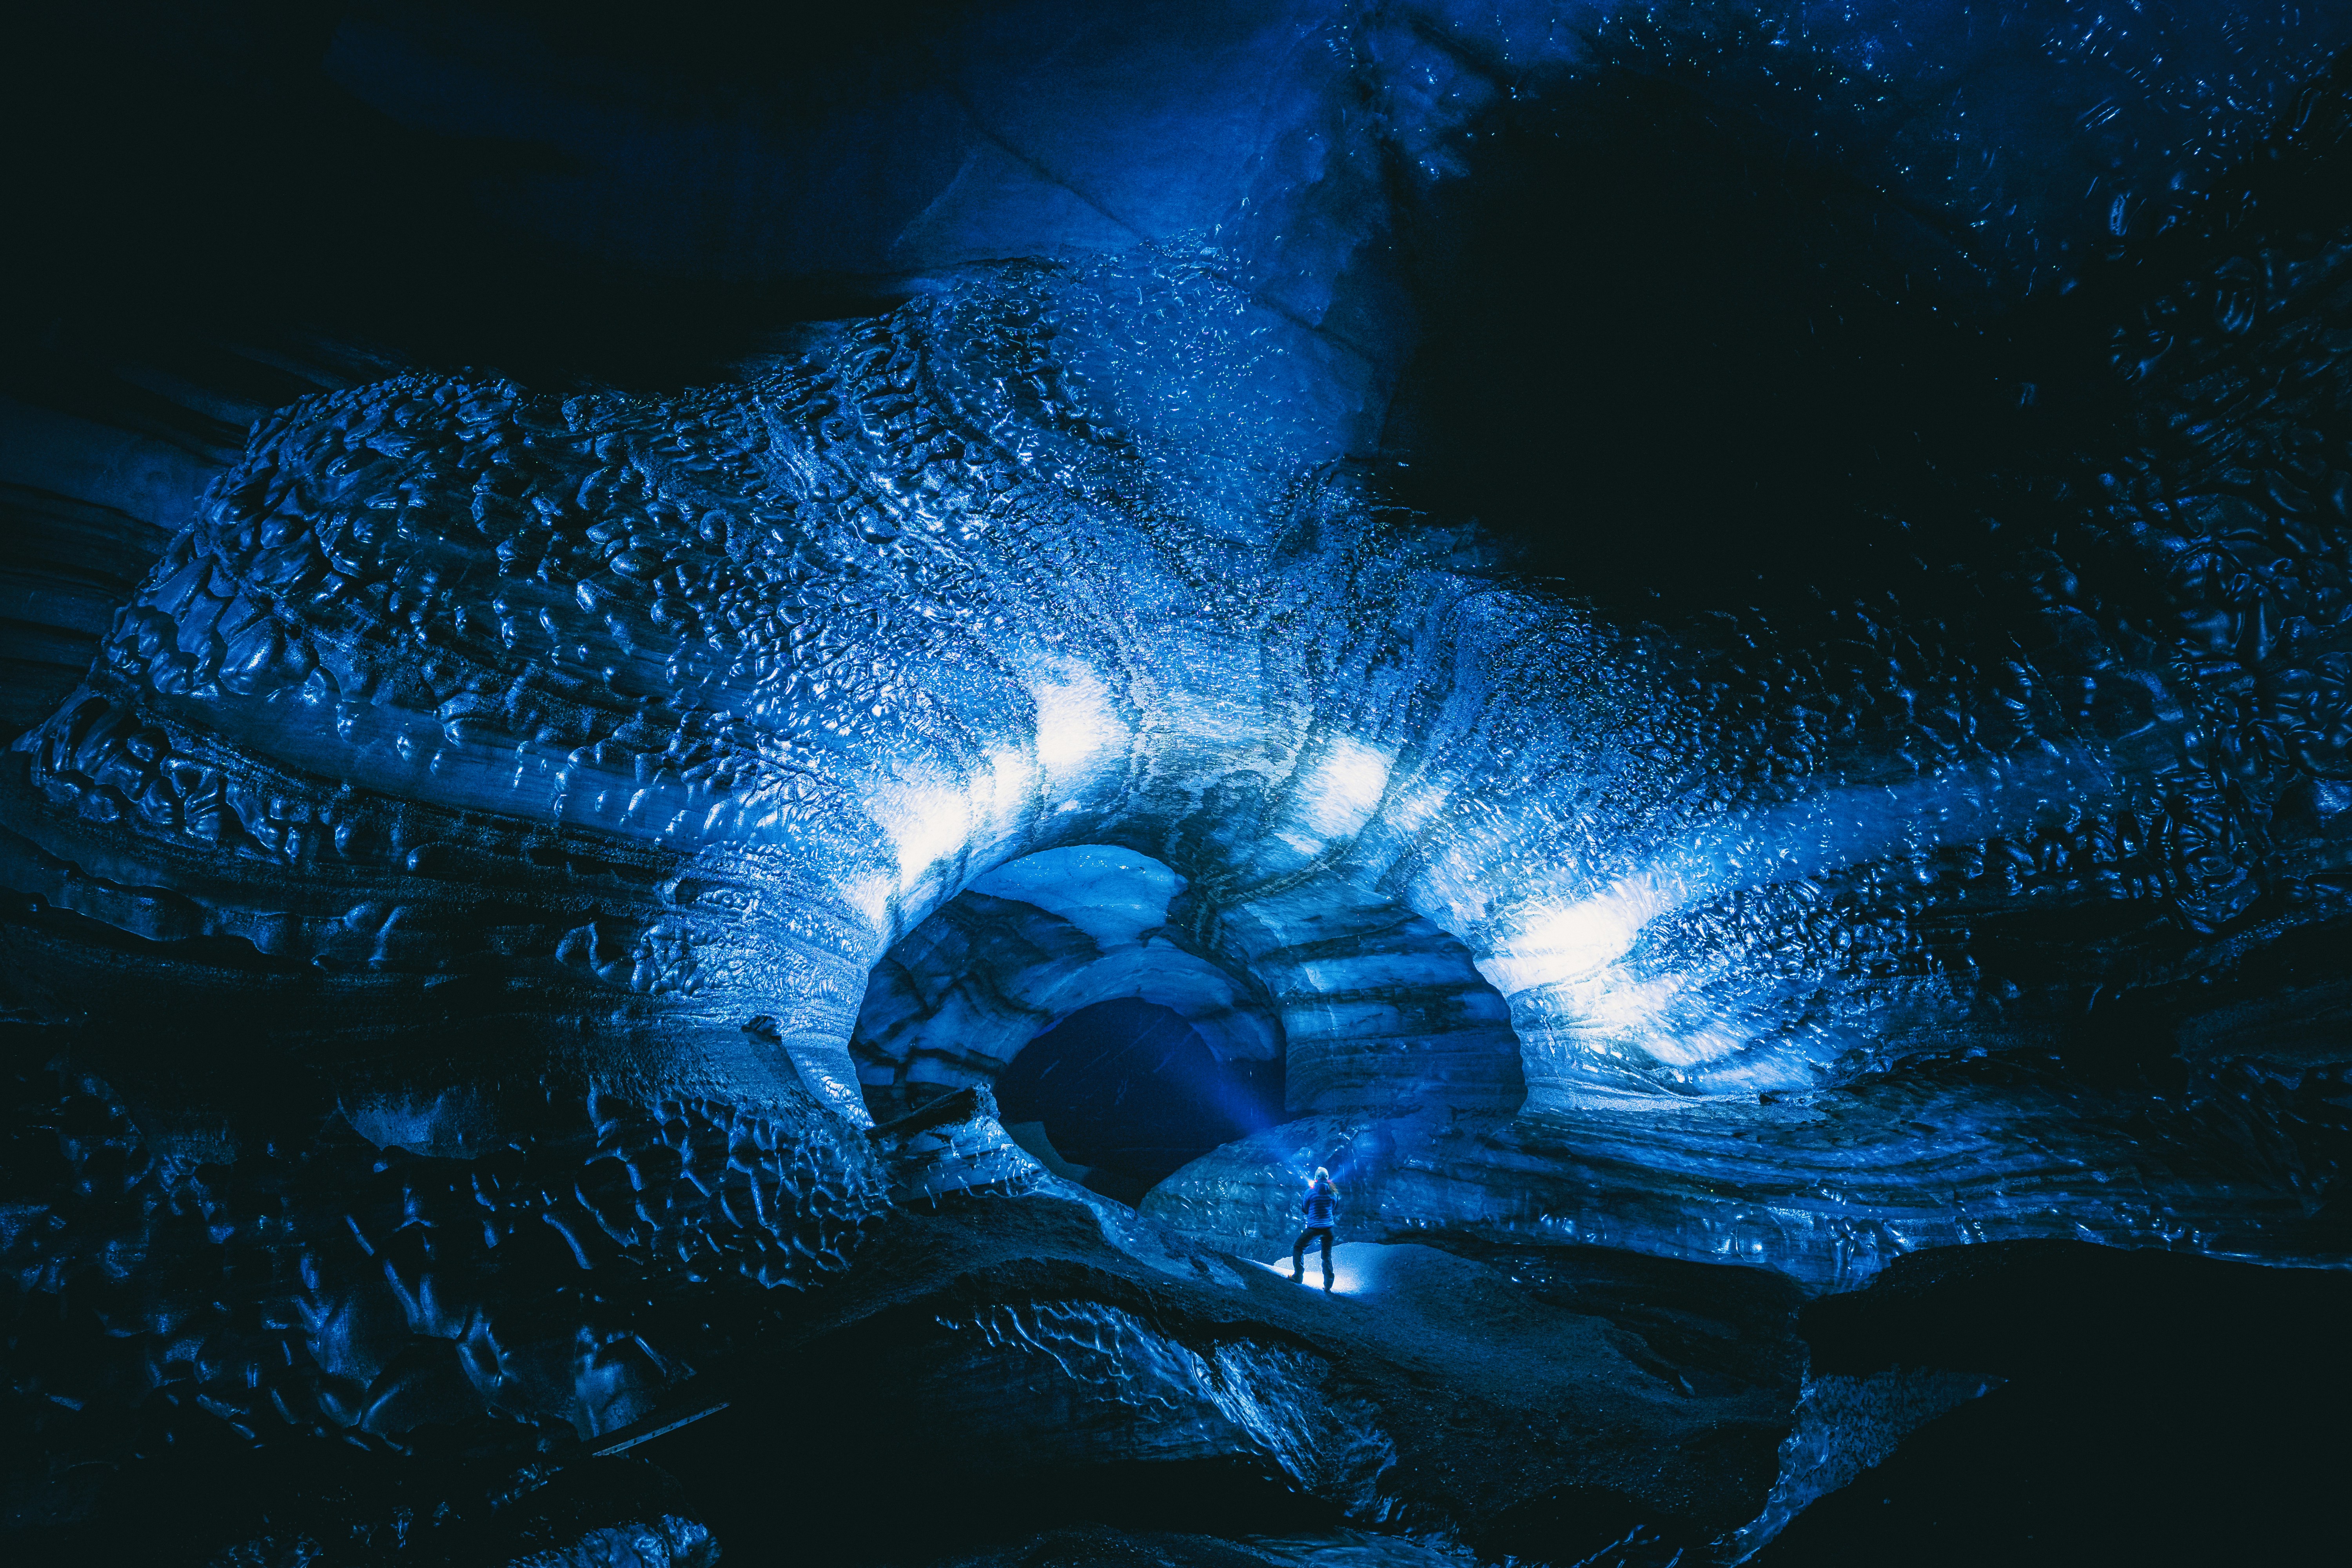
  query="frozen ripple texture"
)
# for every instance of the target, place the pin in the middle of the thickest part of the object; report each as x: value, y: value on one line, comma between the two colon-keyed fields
x: 658, y: 722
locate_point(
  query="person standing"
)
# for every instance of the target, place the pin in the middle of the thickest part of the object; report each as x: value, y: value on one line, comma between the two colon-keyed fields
x: 1322, y: 1211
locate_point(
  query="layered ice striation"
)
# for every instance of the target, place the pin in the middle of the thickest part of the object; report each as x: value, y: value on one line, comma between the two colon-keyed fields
x: 1025, y: 948
x: 1366, y: 1005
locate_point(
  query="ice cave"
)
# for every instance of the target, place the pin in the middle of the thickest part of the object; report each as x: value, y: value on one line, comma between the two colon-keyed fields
x: 735, y: 735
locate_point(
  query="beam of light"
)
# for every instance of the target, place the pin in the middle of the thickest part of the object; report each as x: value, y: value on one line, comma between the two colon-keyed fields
x: 1338, y: 796
x: 1554, y: 943
x: 1077, y: 728
x: 1567, y: 957
x: 1347, y: 1280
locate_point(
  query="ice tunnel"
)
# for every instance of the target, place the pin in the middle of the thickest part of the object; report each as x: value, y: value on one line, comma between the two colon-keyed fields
x: 734, y: 735
x: 1325, y: 999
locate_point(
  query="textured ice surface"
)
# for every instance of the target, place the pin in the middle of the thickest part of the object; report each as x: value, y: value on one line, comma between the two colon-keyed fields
x: 813, y: 652
x: 668, y: 1543
x: 517, y: 836
x: 1075, y: 1382
x: 337, y: 1289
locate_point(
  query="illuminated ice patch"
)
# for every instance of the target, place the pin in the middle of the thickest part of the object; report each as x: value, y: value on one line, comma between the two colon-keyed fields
x: 1553, y: 943
x: 870, y: 896
x: 1114, y: 895
x: 1340, y: 795
x: 1076, y: 727
x: 926, y: 822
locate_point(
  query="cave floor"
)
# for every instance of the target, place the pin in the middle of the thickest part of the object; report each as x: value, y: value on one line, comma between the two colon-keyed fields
x: 1045, y: 1379
x: 1547, y: 1404
x: 1561, y: 1408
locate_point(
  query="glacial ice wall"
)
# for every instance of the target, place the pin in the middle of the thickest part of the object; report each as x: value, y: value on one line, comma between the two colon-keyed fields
x: 481, y: 754
x: 831, y: 643
x: 808, y: 654
x: 531, y: 820
x: 1368, y: 1006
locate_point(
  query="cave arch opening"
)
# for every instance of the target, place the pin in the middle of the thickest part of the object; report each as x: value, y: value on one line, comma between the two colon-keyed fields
x: 1129, y: 1019
x: 1094, y: 995
x: 1124, y: 1093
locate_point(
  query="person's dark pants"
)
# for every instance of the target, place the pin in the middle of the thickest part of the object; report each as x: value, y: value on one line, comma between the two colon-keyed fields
x: 1299, y: 1253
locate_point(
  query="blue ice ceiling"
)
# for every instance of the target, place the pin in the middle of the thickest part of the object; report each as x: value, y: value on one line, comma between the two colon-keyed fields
x: 1725, y: 629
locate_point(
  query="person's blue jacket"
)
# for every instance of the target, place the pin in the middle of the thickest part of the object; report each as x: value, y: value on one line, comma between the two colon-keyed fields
x: 1322, y: 1206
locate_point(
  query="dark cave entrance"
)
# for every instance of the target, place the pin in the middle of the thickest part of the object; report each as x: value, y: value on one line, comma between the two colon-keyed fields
x: 1119, y: 1045
x: 1685, y: 367
x: 1130, y: 1091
